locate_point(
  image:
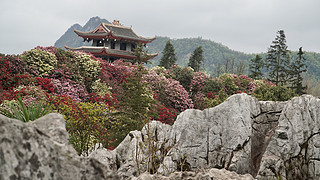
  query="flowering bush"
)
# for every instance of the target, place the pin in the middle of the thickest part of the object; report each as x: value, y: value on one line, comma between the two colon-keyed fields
x: 42, y: 61
x: 171, y: 94
x: 85, y: 122
x: 70, y: 88
x: 164, y: 114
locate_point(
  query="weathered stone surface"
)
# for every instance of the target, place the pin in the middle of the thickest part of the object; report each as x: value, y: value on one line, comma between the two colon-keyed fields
x: 203, y: 174
x: 220, y: 137
x: 40, y: 150
x: 294, y: 149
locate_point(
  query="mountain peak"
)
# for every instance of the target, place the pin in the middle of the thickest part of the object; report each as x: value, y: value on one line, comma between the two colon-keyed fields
x: 70, y: 38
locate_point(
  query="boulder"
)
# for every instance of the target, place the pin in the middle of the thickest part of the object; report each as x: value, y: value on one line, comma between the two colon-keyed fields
x: 294, y: 149
x: 40, y: 150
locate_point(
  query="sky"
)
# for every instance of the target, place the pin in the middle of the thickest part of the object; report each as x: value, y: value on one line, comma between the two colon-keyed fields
x: 248, y: 26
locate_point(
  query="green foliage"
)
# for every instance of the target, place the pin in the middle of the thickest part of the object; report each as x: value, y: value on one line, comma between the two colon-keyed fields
x: 169, y: 56
x: 141, y: 54
x: 255, y: 67
x: 86, y: 122
x: 41, y: 60
x: 135, y: 104
x: 296, y: 69
x: 273, y: 93
x: 278, y: 60
x: 18, y: 110
x: 183, y: 75
x: 196, y: 59
x: 215, y: 99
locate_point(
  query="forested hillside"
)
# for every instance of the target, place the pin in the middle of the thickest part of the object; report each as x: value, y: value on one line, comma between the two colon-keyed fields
x: 215, y: 54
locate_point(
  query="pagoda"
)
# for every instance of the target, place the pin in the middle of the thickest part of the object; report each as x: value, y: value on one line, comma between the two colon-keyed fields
x: 112, y: 41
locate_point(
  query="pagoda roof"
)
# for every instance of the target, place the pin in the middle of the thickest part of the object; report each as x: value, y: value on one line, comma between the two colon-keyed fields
x: 113, y: 31
x: 108, y: 52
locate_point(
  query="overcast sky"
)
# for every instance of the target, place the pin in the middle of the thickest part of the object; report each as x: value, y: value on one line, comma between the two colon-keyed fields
x: 243, y: 25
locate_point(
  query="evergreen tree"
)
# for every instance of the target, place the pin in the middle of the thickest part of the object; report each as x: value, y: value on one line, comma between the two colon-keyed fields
x: 169, y: 56
x: 278, y: 60
x: 297, y: 68
x: 196, y: 59
x: 255, y: 67
x: 141, y: 54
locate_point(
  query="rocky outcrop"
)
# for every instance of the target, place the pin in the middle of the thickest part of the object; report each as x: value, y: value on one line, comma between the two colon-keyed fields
x: 207, y: 174
x: 294, y: 149
x: 40, y: 150
x: 241, y: 138
x: 262, y: 138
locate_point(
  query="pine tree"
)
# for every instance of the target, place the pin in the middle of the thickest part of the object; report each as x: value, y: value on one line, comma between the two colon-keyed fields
x: 169, y: 56
x: 141, y: 54
x: 278, y: 60
x: 297, y: 68
x: 196, y: 59
x: 255, y: 67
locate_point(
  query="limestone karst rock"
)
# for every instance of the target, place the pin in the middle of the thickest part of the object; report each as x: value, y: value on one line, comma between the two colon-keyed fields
x: 40, y: 150
x: 263, y: 138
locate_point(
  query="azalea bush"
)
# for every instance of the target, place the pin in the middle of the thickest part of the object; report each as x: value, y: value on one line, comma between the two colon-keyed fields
x: 42, y: 62
x: 170, y: 92
x: 85, y: 122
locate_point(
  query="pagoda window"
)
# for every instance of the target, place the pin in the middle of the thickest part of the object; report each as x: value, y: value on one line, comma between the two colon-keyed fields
x: 100, y: 43
x: 112, y: 44
x: 133, y: 46
x: 123, y: 46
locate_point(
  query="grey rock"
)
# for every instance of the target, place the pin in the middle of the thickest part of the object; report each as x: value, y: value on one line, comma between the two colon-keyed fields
x: 40, y: 150
x: 294, y: 151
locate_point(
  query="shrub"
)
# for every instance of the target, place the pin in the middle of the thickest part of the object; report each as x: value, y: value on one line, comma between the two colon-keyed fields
x: 42, y: 62
x: 183, y: 75
x: 170, y: 92
x: 70, y: 88
x: 85, y: 122
x: 273, y: 93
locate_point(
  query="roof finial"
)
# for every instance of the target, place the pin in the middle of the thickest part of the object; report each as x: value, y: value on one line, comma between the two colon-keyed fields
x: 117, y: 23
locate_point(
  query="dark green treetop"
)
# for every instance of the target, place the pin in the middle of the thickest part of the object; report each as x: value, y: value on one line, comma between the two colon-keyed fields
x: 196, y: 59
x: 169, y: 56
x: 278, y: 60
x: 297, y: 68
x: 255, y: 67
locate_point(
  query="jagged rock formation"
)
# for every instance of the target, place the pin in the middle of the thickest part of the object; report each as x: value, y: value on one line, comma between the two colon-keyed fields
x: 41, y: 150
x: 265, y: 139
x: 71, y: 39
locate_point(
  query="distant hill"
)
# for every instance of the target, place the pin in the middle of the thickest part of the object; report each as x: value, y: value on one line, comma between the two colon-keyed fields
x: 71, y: 39
x: 215, y: 54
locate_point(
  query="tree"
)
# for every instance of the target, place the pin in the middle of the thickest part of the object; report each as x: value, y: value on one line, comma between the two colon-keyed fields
x: 196, y: 59
x: 255, y: 67
x: 169, y: 56
x: 278, y: 60
x: 141, y: 54
x: 297, y: 68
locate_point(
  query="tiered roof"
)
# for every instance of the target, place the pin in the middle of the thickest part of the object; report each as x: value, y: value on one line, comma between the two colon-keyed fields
x: 113, y: 31
x: 116, y: 32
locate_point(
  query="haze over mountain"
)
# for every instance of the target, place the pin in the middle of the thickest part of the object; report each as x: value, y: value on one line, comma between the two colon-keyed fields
x: 71, y: 39
x: 215, y: 54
